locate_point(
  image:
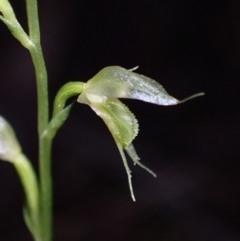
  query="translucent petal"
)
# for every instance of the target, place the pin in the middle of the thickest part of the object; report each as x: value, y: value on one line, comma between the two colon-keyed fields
x: 119, y: 119
x: 117, y: 82
x: 9, y: 146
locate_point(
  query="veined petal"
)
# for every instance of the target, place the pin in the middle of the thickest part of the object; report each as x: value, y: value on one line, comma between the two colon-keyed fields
x: 119, y: 119
x: 117, y: 82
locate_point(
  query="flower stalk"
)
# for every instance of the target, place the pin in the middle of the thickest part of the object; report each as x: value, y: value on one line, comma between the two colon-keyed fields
x: 10, y: 150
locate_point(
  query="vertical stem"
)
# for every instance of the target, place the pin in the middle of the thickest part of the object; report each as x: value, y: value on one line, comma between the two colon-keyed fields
x: 44, y: 144
x: 42, y: 87
x: 46, y: 188
x: 43, y: 119
x: 33, y: 22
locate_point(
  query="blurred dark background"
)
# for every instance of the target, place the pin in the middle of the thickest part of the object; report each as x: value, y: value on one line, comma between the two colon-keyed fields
x: 188, y: 46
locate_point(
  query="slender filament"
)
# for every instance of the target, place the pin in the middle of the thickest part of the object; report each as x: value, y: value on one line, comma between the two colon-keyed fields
x: 135, y: 158
x: 127, y: 170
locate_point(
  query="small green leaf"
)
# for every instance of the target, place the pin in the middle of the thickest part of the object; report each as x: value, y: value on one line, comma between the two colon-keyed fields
x: 57, y: 121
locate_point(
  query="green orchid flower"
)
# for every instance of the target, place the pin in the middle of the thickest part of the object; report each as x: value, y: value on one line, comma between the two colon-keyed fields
x: 101, y: 93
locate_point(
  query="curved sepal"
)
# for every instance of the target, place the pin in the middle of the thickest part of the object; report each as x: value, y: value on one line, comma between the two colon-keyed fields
x: 117, y: 82
x: 119, y: 119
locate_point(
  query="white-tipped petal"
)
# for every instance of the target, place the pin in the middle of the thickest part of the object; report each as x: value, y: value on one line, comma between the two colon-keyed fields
x: 117, y: 82
x: 9, y: 146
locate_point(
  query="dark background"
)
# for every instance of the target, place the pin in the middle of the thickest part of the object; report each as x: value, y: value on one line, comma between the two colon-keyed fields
x: 188, y: 46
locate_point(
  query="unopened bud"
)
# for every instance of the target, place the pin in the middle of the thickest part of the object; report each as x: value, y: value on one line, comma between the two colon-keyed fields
x: 9, y: 146
x: 7, y: 11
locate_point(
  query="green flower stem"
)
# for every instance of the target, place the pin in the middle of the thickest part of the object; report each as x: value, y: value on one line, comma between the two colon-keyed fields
x: 28, y: 178
x: 33, y: 22
x: 44, y: 142
x: 66, y: 91
x: 42, y: 86
x: 30, y: 185
x: 45, y: 188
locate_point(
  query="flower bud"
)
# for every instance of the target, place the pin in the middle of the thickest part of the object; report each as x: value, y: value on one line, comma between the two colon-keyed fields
x: 9, y: 18
x: 6, y: 10
x: 9, y: 146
